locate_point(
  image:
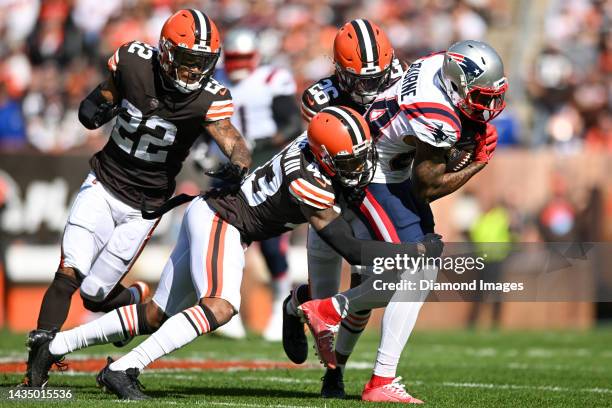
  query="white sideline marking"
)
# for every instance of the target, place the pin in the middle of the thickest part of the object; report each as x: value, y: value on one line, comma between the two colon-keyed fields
x: 232, y: 404
x: 552, y: 388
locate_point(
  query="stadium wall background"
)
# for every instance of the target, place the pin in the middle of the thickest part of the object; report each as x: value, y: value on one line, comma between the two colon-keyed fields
x: 38, y: 190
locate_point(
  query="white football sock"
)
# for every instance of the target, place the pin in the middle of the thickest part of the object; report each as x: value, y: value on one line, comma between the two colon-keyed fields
x: 397, y: 324
x: 115, y: 325
x: 280, y: 288
x: 177, y: 331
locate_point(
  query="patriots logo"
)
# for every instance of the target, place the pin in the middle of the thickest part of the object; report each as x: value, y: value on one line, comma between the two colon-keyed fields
x: 470, y: 68
x: 437, y: 131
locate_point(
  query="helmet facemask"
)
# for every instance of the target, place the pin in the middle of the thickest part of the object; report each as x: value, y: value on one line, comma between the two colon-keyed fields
x: 187, y: 69
x: 479, y: 103
x: 363, y: 88
x: 352, y: 170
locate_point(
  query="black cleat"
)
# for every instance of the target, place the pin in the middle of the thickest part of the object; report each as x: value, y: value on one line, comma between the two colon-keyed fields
x: 40, y: 359
x: 124, y: 342
x: 294, y: 337
x: 123, y: 384
x: 333, y: 384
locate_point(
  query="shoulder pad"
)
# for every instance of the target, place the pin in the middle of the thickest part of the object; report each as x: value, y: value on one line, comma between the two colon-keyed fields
x: 130, y: 52
x: 433, y: 123
x: 318, y: 96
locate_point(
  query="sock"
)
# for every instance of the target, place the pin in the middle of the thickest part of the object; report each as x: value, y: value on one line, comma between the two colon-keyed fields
x: 135, y: 294
x: 350, y: 330
x: 379, y: 381
x: 300, y: 295
x: 56, y: 302
x: 177, y: 331
x: 397, y: 324
x: 281, y: 285
x: 119, y: 324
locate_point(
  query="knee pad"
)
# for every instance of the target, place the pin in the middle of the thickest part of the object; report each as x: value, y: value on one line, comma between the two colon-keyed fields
x: 92, y: 291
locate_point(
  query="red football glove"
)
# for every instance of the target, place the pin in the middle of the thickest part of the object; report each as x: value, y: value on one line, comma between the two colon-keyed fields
x: 485, y: 144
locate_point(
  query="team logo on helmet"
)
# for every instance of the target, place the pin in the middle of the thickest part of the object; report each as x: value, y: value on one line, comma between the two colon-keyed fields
x: 471, y: 69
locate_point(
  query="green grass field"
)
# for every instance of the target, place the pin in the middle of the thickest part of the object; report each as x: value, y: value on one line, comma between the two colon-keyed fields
x: 445, y: 369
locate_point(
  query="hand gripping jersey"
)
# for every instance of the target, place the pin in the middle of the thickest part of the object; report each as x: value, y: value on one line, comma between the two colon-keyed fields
x: 268, y: 203
x: 153, y: 133
x: 327, y: 92
x: 253, y: 100
x: 415, y: 107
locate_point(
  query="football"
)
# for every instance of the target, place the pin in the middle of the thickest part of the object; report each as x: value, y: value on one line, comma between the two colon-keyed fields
x: 458, y: 158
x: 462, y: 153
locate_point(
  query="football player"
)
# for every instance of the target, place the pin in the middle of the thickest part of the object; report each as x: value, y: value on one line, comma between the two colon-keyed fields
x: 164, y: 99
x: 268, y: 116
x: 199, y: 289
x: 439, y: 99
x: 365, y: 65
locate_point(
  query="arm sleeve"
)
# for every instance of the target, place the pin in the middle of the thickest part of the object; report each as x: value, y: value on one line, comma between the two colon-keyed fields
x: 286, y: 115
x: 339, y: 235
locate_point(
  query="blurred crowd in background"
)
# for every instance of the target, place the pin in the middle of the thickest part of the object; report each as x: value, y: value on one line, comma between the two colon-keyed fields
x: 53, y: 52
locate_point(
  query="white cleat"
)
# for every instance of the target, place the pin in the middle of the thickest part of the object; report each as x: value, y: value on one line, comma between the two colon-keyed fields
x: 274, y: 329
x: 234, y: 329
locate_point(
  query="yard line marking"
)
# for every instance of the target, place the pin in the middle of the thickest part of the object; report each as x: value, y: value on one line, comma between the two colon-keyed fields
x: 234, y: 404
x: 552, y: 388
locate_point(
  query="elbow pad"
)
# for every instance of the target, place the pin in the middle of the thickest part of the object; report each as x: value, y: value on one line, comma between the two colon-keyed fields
x: 95, y: 110
x: 339, y: 235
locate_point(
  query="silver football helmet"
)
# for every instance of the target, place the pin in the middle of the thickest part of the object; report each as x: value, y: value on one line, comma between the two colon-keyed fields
x: 241, y: 54
x: 474, y: 79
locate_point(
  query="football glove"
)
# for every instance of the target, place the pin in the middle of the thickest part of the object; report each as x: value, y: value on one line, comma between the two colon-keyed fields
x: 433, y: 245
x: 485, y: 144
x: 229, y: 172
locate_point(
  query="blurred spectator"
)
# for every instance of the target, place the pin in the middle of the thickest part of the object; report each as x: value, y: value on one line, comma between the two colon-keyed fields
x: 570, y: 76
x: 12, y: 127
x: 557, y: 219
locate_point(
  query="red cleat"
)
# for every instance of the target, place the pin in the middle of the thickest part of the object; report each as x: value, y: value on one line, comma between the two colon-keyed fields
x: 395, y: 391
x: 323, y: 323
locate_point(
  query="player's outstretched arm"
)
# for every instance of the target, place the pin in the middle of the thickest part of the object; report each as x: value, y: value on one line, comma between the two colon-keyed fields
x: 429, y: 176
x: 337, y: 233
x: 231, y: 142
x: 100, y: 105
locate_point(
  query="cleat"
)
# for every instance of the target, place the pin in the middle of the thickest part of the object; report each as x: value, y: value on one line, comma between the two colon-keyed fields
x: 40, y: 359
x: 294, y: 337
x: 323, y: 329
x: 333, y: 384
x: 234, y: 329
x: 144, y: 292
x: 124, y: 384
x: 274, y: 329
x: 395, y: 391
